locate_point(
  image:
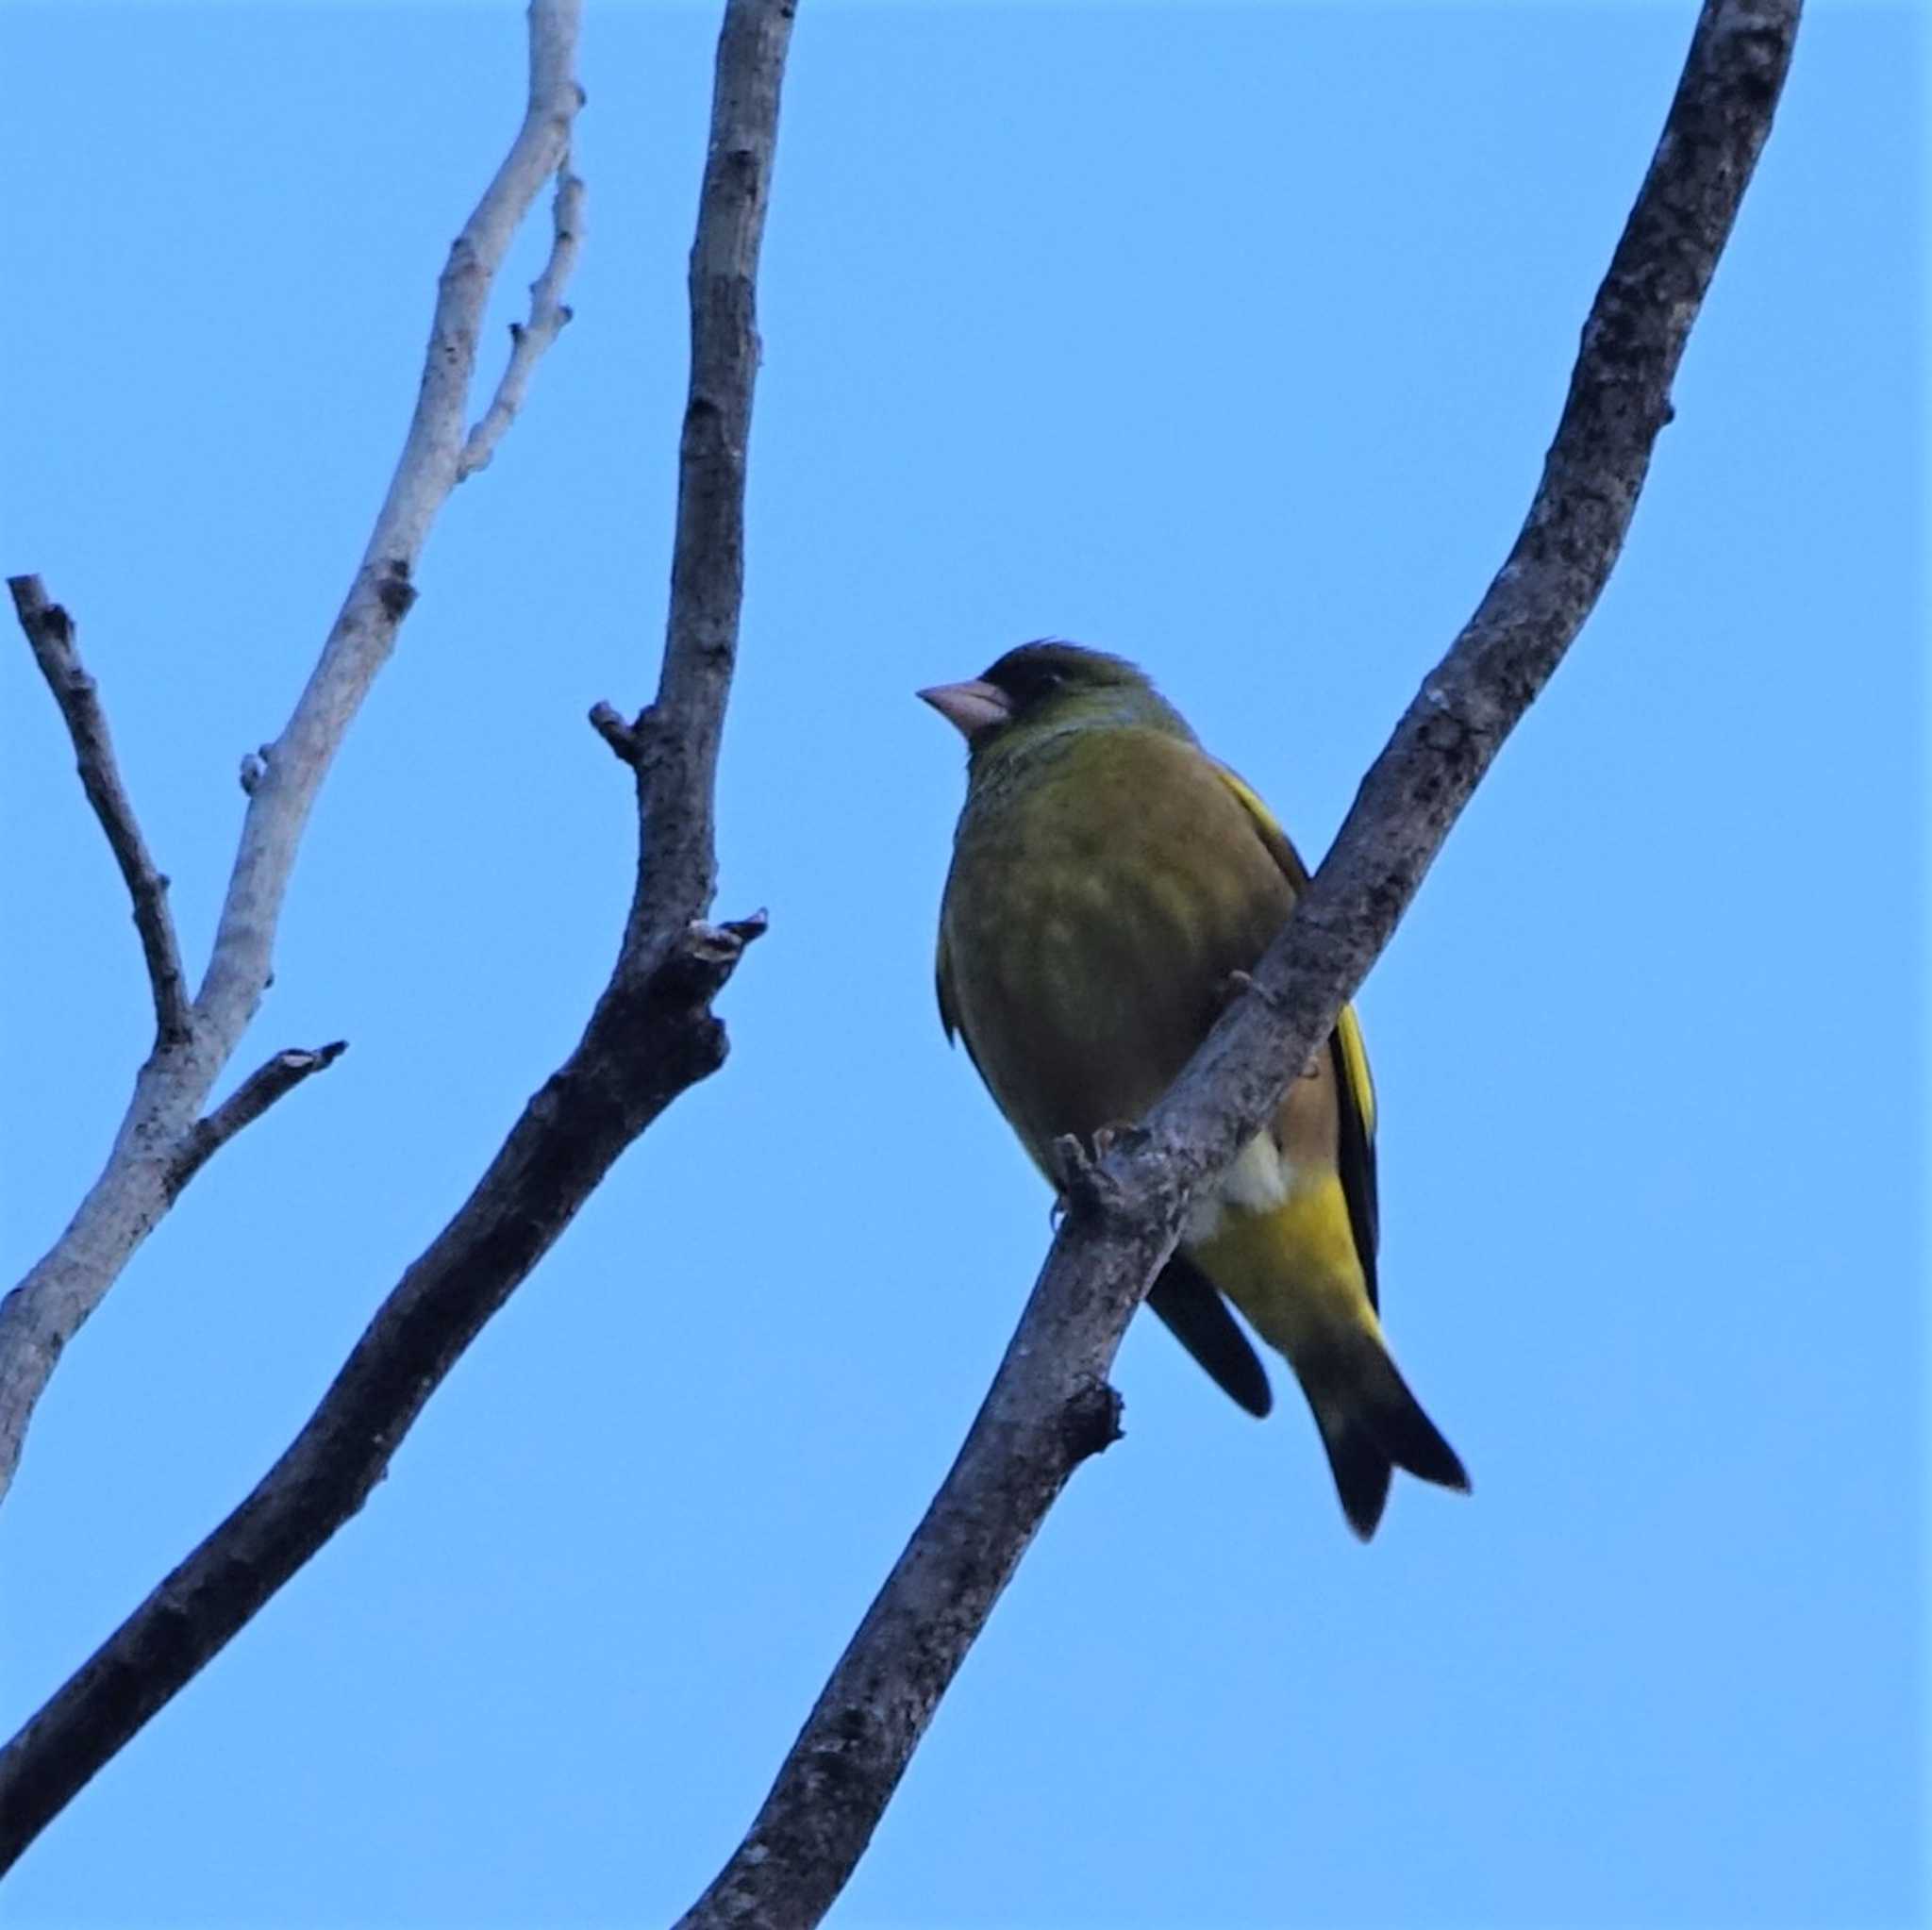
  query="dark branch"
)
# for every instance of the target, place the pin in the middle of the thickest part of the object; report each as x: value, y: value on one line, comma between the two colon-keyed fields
x: 639, y: 1052
x: 1039, y: 1417
x: 674, y: 744
x: 50, y: 632
x: 246, y: 1104
x: 651, y: 1036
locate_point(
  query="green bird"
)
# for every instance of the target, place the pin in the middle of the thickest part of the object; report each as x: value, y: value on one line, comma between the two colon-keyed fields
x: 1110, y: 881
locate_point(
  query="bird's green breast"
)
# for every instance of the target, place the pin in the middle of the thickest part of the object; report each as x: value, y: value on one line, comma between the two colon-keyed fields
x: 1102, y: 890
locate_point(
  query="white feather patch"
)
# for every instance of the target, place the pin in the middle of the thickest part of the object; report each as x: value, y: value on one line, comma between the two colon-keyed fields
x: 1258, y: 1179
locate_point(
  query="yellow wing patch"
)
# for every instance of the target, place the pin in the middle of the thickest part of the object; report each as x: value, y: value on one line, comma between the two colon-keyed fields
x: 1354, y: 1067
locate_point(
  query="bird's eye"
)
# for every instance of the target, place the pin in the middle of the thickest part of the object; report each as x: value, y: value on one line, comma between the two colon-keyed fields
x: 1030, y: 682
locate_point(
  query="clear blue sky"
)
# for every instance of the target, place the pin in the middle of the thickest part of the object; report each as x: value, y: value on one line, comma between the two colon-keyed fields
x: 1227, y: 339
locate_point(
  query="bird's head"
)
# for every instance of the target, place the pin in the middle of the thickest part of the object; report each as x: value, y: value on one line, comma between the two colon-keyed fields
x: 1044, y: 690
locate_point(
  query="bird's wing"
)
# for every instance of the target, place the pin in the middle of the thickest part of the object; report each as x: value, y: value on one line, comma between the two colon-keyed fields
x: 1354, y: 1089
x: 950, y: 1021
x: 955, y: 1026
x: 942, y: 977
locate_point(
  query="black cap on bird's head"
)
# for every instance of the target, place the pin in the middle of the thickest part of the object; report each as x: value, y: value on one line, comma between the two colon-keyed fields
x: 1051, y: 683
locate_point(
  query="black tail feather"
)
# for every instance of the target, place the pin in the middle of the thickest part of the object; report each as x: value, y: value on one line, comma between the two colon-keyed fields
x: 1197, y: 1316
x: 1405, y: 1434
x: 1370, y: 1422
x: 1361, y: 1473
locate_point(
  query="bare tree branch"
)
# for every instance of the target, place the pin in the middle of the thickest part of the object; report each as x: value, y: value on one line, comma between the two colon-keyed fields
x: 136, y: 1186
x: 247, y: 1103
x: 383, y: 590
x: 528, y: 340
x: 674, y: 744
x: 50, y: 634
x: 651, y: 1036
x: 1050, y: 1406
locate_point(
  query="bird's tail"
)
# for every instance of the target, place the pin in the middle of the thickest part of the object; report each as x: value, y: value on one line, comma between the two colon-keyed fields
x: 1293, y: 1271
x: 1369, y: 1424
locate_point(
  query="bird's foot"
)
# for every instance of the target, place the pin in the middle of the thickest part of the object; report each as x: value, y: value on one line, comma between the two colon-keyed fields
x: 1082, y: 1177
x: 1072, y: 1174
x: 1239, y: 982
x: 1123, y: 1136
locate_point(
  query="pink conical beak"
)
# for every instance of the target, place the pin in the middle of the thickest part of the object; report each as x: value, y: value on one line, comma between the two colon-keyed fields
x: 970, y: 707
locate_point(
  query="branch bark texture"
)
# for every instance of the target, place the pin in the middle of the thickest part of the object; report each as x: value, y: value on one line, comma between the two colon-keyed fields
x: 651, y: 1036
x: 1050, y: 1406
x: 195, y: 1044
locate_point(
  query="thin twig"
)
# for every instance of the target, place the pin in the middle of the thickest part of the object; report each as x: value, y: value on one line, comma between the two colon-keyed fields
x: 651, y: 1036
x: 1040, y: 1417
x: 247, y: 1103
x: 136, y: 1186
x: 528, y: 340
x: 50, y: 634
